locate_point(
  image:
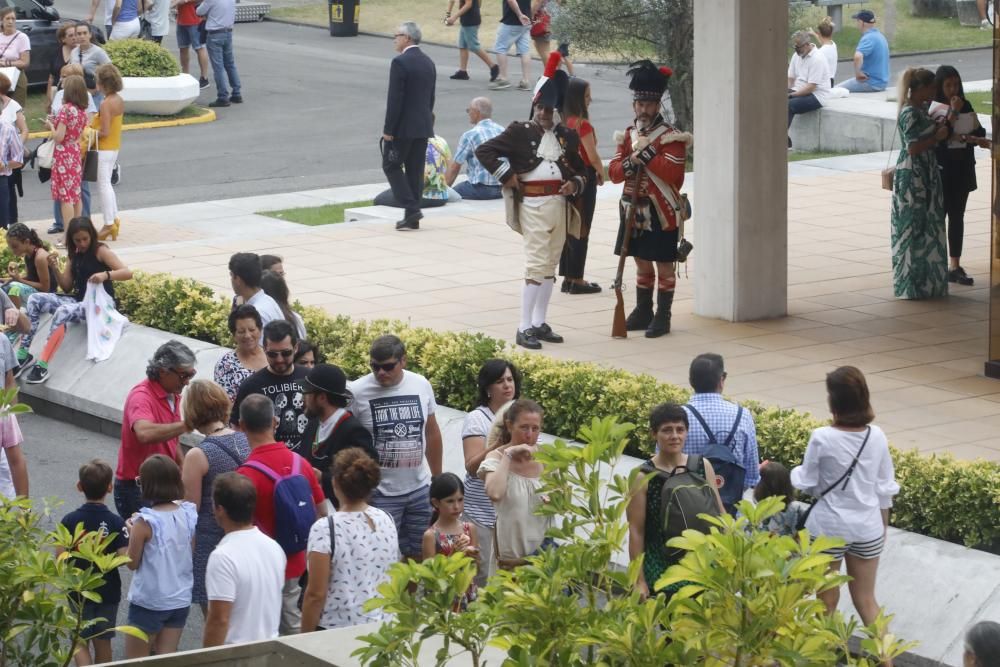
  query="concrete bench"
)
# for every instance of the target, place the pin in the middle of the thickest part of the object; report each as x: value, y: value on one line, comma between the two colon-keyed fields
x: 935, y: 589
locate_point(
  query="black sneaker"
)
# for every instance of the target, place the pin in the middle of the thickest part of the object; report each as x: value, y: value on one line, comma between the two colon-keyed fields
x: 116, y: 174
x: 527, y: 339
x: 545, y: 332
x: 219, y: 103
x: 960, y: 276
x: 56, y: 229
x: 203, y: 83
x: 236, y: 99
x: 38, y: 374
x: 24, y: 365
x: 460, y: 75
x: 494, y: 72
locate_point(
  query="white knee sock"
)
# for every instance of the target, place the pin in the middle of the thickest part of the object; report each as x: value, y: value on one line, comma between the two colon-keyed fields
x: 542, y: 303
x: 529, y: 294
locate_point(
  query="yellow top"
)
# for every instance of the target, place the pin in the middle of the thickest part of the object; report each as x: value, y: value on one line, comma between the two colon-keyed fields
x: 113, y: 141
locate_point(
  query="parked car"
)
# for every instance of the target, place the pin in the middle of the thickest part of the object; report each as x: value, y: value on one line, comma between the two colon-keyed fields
x: 39, y: 21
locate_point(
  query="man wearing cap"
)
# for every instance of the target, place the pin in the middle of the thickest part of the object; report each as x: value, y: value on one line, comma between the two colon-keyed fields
x: 543, y: 170
x: 331, y: 427
x: 650, y: 160
x: 871, y: 57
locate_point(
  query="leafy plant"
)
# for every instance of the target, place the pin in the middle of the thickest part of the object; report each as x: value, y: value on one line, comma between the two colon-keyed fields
x: 142, y: 58
x: 749, y: 599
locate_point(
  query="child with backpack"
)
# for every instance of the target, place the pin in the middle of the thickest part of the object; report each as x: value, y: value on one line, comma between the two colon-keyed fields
x: 776, y: 480
x: 448, y: 533
x: 160, y: 548
x: 664, y: 505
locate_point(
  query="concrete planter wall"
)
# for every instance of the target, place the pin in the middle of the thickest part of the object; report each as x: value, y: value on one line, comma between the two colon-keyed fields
x: 942, y: 8
x: 159, y: 95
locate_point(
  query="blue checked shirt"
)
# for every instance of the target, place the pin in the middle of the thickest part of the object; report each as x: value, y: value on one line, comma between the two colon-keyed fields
x: 11, y: 148
x: 481, y: 132
x: 720, y: 414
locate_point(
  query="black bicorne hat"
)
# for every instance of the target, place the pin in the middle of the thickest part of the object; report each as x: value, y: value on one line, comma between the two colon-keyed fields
x: 647, y: 81
x: 550, y: 90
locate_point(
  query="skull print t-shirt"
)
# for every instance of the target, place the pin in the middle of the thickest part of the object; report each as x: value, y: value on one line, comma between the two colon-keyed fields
x: 397, y: 419
x: 289, y: 406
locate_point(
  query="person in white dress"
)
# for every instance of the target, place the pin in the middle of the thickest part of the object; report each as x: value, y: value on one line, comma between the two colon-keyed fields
x: 848, y: 469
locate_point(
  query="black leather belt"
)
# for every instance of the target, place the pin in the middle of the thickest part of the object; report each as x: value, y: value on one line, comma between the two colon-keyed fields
x: 215, y: 32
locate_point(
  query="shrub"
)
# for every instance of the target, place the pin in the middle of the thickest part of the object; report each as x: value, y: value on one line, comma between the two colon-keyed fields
x: 141, y: 57
x: 941, y: 497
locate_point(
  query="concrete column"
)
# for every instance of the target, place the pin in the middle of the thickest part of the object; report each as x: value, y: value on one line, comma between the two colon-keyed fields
x: 741, y: 185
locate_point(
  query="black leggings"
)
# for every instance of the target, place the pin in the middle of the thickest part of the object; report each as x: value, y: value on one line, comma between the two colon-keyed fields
x: 955, y: 200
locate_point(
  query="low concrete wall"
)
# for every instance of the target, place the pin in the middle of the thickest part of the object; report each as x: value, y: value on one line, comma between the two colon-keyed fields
x: 935, y: 589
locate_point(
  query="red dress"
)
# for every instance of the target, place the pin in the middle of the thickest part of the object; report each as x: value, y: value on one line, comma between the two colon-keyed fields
x: 67, y: 165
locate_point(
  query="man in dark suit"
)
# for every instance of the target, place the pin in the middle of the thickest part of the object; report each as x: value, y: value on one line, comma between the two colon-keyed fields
x: 409, y: 122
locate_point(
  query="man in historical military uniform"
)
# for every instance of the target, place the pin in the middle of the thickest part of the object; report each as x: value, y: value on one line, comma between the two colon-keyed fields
x: 650, y: 161
x: 542, y: 172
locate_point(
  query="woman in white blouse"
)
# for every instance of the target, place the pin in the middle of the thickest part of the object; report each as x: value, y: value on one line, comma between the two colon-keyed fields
x: 512, y: 478
x: 848, y: 469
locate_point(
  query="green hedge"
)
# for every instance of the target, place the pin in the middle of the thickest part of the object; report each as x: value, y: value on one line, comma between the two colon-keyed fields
x: 941, y: 497
x: 141, y: 57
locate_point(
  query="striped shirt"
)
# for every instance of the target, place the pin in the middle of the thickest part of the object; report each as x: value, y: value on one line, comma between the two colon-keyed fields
x: 720, y: 414
x: 481, y: 132
x: 478, y: 507
x: 11, y: 148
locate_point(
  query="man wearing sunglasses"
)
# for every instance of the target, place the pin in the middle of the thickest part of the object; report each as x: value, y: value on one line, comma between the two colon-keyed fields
x: 280, y: 381
x: 151, y: 420
x: 398, y: 407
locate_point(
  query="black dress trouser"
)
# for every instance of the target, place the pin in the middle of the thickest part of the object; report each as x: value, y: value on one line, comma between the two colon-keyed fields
x: 406, y: 173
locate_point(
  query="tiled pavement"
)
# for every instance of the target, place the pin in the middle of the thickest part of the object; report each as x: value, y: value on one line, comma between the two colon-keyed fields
x: 462, y: 271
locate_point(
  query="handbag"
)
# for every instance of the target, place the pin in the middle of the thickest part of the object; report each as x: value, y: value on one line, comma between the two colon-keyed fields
x: 540, y: 24
x: 91, y: 158
x: 45, y: 154
x: 845, y: 478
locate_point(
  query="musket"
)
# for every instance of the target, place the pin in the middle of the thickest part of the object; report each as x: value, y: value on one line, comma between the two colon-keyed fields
x: 618, y: 329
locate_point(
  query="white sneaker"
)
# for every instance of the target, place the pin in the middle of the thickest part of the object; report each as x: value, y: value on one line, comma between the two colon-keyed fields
x: 523, y: 85
x: 985, y: 25
x: 500, y: 84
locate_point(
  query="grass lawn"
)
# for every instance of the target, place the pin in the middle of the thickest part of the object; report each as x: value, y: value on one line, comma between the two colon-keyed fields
x: 36, y: 110
x: 981, y: 102
x: 798, y: 156
x: 329, y: 214
x: 911, y: 33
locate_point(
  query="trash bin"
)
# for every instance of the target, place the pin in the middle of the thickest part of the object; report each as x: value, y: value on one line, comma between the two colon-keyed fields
x: 344, y: 18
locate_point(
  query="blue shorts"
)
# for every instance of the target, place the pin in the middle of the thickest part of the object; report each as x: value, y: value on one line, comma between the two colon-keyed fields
x: 102, y: 629
x: 189, y: 36
x: 151, y: 621
x: 411, y: 512
x: 519, y: 35
x: 468, y: 37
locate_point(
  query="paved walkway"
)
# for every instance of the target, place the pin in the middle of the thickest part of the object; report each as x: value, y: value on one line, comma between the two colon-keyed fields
x: 462, y: 271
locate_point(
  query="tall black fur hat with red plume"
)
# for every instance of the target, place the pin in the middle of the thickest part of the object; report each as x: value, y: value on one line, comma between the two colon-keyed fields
x: 647, y: 81
x: 550, y: 91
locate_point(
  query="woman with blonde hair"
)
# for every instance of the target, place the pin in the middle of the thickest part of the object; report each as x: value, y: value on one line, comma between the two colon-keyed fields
x: 108, y: 125
x: 206, y: 410
x: 827, y: 47
x: 847, y: 468
x: 919, y: 242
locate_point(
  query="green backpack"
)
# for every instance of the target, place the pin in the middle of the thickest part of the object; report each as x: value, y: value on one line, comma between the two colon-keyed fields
x: 685, y: 494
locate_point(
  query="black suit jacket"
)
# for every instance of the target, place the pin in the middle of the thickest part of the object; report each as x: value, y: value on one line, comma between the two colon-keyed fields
x: 349, y: 433
x: 410, y: 104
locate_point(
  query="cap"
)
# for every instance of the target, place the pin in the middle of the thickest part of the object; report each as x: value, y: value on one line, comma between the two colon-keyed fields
x: 328, y: 379
x: 866, y: 15
x: 550, y: 90
x: 647, y: 81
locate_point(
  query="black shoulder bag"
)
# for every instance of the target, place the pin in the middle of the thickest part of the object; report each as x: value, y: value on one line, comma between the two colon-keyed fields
x: 845, y: 478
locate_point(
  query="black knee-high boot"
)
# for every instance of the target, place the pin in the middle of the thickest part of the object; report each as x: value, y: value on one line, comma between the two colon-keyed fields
x: 661, y: 320
x: 642, y: 314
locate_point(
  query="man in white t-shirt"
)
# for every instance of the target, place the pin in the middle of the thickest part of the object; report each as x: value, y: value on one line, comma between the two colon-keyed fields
x: 246, y: 571
x: 398, y: 407
x: 808, y: 78
x: 244, y: 274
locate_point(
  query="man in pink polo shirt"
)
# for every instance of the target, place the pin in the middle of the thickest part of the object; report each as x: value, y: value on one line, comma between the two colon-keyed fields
x: 151, y: 421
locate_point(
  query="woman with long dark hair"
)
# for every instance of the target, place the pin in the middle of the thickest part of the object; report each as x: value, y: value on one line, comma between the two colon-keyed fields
x: 499, y: 383
x: 847, y: 468
x: 275, y: 287
x: 574, y: 256
x: 87, y: 261
x: 38, y: 275
x: 957, y: 161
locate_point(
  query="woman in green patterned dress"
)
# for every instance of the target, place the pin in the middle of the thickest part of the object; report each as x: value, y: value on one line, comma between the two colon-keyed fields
x: 919, y: 246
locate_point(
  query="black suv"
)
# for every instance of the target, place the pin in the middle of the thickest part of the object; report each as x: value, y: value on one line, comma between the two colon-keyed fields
x: 40, y: 21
